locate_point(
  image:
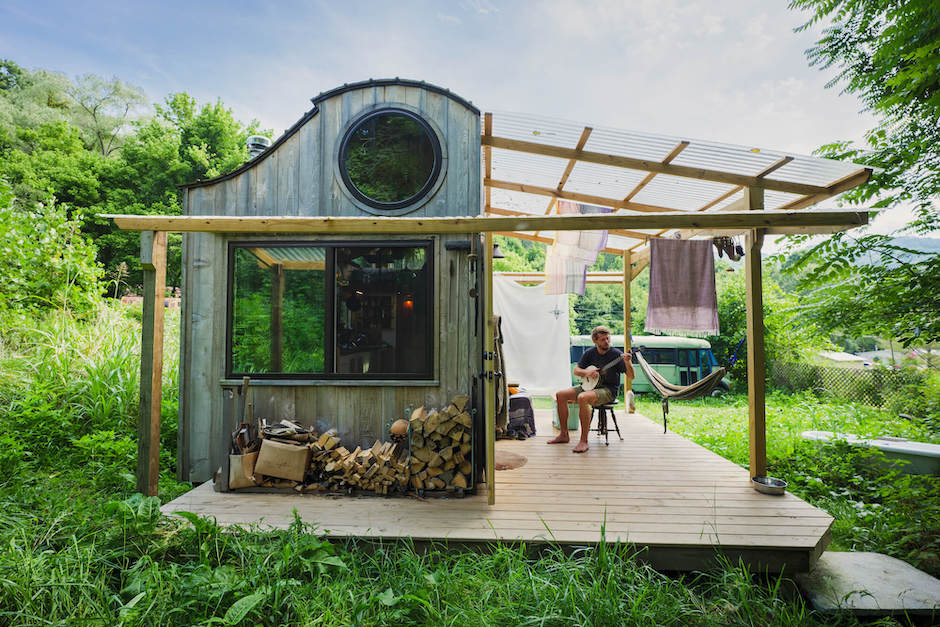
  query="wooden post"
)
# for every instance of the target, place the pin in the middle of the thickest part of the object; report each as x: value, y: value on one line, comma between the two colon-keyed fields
x: 756, y: 384
x: 277, y: 316
x: 627, y: 317
x: 489, y: 347
x: 153, y: 262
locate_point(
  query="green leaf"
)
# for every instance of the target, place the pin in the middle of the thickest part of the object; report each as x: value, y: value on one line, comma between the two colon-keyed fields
x: 241, y: 607
x: 388, y: 598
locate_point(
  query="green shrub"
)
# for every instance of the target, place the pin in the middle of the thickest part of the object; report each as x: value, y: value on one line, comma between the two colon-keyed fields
x: 57, y: 269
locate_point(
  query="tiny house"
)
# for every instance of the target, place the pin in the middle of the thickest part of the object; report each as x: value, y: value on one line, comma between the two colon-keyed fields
x: 347, y: 332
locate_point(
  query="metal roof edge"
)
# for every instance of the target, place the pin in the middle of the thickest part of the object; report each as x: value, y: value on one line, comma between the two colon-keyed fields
x: 381, y: 82
x: 264, y: 155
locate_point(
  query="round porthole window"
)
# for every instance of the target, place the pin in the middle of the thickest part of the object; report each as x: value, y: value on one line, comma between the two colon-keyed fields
x: 390, y: 158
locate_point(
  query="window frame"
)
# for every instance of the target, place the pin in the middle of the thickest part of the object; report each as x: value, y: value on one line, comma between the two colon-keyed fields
x: 329, y: 353
x: 383, y: 208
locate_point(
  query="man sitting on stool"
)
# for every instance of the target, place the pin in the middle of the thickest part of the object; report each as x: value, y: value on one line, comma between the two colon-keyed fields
x: 606, y: 391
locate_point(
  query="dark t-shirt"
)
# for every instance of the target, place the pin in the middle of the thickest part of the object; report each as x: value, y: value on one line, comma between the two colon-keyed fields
x: 611, y: 378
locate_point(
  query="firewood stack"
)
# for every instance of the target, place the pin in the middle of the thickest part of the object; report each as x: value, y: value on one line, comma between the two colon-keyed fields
x: 440, y: 447
x: 333, y: 467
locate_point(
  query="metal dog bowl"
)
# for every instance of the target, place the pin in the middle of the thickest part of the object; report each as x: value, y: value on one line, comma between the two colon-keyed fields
x: 769, y: 485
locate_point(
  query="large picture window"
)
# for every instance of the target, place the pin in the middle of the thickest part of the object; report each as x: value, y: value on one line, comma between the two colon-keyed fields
x: 330, y: 310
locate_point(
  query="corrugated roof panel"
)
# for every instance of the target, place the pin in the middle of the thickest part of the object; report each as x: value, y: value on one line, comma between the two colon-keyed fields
x: 518, y: 167
x: 295, y: 253
x: 679, y: 193
x: 603, y: 180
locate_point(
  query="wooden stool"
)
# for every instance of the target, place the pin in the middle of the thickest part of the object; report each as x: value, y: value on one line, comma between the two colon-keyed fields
x: 602, y: 420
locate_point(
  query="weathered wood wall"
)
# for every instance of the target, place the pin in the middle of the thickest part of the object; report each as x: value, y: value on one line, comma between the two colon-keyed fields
x: 300, y: 177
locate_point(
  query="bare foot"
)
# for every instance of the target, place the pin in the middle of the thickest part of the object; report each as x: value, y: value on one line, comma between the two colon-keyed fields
x: 559, y: 439
x: 582, y: 447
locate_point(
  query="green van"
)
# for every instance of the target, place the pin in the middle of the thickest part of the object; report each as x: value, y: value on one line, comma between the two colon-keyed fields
x: 681, y: 360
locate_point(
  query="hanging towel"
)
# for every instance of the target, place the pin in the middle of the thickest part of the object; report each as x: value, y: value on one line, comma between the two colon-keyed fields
x: 572, y: 253
x: 682, y: 288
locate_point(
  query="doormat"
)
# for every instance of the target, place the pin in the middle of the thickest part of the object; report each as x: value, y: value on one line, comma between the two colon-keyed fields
x: 504, y: 460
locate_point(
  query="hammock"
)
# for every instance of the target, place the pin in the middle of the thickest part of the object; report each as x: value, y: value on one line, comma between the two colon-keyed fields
x: 667, y: 390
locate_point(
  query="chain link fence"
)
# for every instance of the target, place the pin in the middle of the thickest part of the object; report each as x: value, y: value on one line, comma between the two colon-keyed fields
x: 887, y: 388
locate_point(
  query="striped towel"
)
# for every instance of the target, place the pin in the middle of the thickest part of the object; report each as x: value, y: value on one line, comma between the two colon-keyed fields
x: 573, y: 252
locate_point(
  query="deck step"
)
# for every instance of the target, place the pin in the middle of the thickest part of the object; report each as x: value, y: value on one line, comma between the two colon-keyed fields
x: 869, y: 584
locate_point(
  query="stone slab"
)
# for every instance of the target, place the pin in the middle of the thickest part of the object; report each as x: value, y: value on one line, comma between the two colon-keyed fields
x: 869, y: 584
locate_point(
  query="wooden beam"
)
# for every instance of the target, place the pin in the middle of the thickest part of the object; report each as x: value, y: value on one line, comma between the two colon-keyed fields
x: 836, y: 219
x: 776, y: 165
x: 575, y: 196
x: 564, y: 177
x: 756, y: 368
x: 489, y: 347
x: 649, y: 177
x: 547, y: 240
x: 850, y: 181
x: 724, y: 196
x: 653, y: 166
x: 571, y: 162
x: 153, y: 262
x: 277, y: 317
x: 627, y: 280
x: 510, y: 212
x: 487, y: 153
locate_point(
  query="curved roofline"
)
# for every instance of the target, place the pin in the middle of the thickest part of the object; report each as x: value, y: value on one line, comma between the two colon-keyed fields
x: 382, y: 82
x: 264, y: 155
x: 316, y: 100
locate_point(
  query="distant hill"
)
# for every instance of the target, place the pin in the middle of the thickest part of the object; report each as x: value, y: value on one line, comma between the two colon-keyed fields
x: 923, y: 244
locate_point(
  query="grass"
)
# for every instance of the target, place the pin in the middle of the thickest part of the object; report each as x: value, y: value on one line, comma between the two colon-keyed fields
x: 78, y: 547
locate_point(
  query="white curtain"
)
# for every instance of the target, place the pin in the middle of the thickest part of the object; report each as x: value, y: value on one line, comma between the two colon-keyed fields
x: 536, y: 336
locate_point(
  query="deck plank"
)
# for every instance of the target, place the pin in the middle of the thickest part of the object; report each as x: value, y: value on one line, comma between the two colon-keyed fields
x: 669, y: 497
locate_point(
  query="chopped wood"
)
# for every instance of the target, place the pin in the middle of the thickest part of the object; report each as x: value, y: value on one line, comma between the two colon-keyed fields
x: 446, y: 452
x: 418, y: 414
x: 464, y: 419
x: 459, y: 480
x: 465, y: 468
x: 436, y: 460
x: 431, y: 422
x: 460, y: 402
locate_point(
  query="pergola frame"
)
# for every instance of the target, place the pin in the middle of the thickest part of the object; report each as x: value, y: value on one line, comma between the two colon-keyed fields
x: 153, y: 257
x: 745, y: 215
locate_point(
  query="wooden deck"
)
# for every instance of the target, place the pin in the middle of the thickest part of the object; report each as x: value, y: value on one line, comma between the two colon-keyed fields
x: 675, y: 501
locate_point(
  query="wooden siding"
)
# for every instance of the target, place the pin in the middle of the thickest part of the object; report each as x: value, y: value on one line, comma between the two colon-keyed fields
x: 361, y: 412
x: 299, y: 178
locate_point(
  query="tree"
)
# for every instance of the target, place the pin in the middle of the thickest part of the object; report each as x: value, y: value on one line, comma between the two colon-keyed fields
x: 11, y: 75
x: 103, y: 108
x: 886, y: 53
x: 212, y: 141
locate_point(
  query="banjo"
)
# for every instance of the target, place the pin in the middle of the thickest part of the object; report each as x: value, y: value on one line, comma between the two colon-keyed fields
x: 588, y: 383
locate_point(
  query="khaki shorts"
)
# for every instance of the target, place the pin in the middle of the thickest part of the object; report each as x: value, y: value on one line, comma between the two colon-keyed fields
x: 604, y: 395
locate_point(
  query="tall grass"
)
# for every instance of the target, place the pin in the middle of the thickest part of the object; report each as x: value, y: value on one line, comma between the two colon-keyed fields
x: 130, y: 566
x: 78, y: 547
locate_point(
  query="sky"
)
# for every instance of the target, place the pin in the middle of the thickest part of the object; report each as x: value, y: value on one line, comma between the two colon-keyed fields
x: 726, y: 70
